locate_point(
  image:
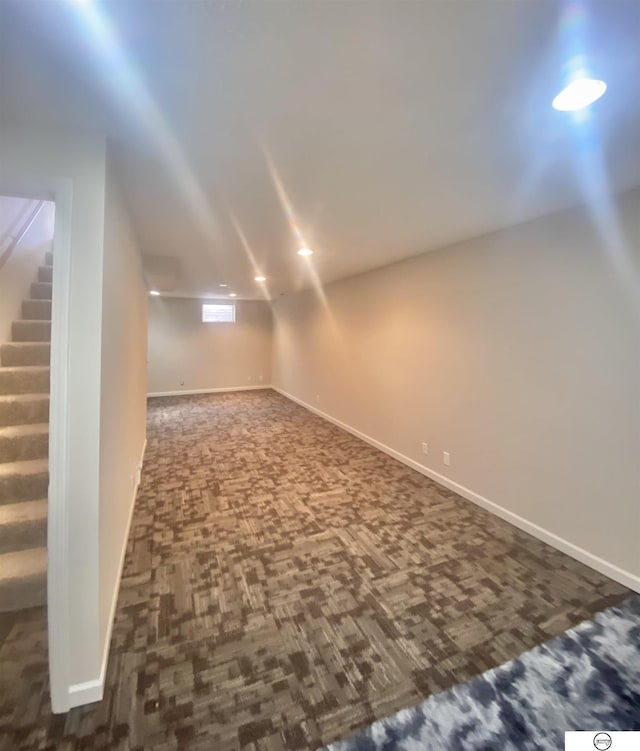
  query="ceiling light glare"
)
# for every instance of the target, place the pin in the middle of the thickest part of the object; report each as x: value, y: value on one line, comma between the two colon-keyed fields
x: 580, y: 93
x: 261, y: 278
x: 154, y: 293
x: 232, y: 294
x: 223, y: 285
x: 305, y: 252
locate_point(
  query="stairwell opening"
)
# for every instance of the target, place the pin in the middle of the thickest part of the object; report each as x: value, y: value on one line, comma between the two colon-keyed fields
x: 26, y: 286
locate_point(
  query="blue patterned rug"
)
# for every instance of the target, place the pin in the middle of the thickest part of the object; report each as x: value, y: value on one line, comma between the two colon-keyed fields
x: 586, y: 679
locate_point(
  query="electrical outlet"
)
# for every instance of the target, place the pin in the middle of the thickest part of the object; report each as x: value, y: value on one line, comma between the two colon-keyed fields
x: 249, y: 377
x: 446, y: 458
x: 425, y: 448
x: 260, y: 377
x: 317, y: 397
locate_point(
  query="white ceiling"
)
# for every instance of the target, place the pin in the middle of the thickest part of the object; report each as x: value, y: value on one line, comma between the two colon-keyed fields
x: 395, y: 127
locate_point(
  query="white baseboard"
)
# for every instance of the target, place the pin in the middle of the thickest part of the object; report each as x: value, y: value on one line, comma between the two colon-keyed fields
x: 89, y: 692
x: 580, y: 554
x: 209, y: 391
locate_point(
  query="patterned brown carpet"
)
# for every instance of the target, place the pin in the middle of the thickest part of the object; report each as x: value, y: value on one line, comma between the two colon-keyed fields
x: 285, y: 584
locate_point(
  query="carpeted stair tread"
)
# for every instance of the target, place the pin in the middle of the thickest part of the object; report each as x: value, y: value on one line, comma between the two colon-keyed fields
x: 36, y: 310
x: 24, y: 480
x: 18, y: 354
x: 45, y: 274
x: 23, y: 525
x: 31, y: 331
x: 41, y: 291
x: 23, y: 579
x: 21, y: 409
x: 26, y: 379
x: 22, y: 442
x: 18, y: 431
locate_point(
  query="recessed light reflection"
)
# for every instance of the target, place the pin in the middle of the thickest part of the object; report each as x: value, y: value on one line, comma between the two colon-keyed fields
x: 232, y: 294
x: 261, y: 278
x: 154, y: 292
x: 305, y: 252
x: 223, y: 285
x: 580, y: 93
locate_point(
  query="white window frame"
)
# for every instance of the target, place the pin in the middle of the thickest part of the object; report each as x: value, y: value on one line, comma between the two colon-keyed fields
x: 218, y: 312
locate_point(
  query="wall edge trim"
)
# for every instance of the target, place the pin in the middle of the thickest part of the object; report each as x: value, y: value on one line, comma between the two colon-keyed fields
x: 601, y: 565
x: 92, y: 691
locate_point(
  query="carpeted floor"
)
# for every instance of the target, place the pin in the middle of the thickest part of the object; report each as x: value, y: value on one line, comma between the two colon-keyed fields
x: 286, y: 584
x: 586, y: 679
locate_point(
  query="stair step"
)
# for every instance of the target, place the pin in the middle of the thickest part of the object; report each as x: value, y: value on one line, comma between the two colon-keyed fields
x: 23, y: 525
x: 24, y: 409
x: 36, y: 310
x: 31, y: 331
x: 23, y: 579
x: 29, y: 379
x: 45, y: 274
x: 16, y: 354
x: 21, y: 442
x: 48, y: 259
x: 24, y: 481
x: 41, y: 291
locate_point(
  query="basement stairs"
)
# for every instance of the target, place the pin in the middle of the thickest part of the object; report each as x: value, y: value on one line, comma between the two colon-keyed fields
x: 24, y: 446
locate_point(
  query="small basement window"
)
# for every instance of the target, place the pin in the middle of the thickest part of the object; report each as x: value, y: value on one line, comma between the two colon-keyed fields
x: 218, y: 313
